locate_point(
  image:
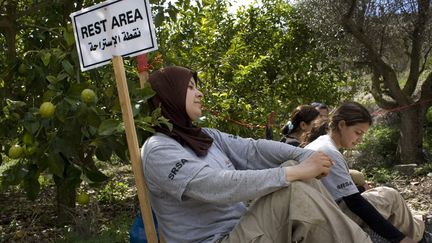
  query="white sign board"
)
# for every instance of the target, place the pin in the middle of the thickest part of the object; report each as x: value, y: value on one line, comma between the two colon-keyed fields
x: 113, y: 28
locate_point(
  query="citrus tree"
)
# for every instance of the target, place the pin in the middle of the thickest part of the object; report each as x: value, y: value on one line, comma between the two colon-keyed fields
x: 55, y: 119
x: 259, y: 59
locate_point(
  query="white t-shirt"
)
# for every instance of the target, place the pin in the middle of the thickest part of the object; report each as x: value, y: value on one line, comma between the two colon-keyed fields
x: 338, y: 182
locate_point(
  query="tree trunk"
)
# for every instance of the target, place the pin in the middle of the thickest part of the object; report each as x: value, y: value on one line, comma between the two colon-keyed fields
x: 66, y: 192
x: 410, y: 146
x: 65, y: 198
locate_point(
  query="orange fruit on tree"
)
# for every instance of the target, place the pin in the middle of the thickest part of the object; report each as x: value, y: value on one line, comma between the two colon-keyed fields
x: 27, y: 138
x: 15, y: 151
x: 83, y: 198
x: 47, y: 109
x: 88, y: 96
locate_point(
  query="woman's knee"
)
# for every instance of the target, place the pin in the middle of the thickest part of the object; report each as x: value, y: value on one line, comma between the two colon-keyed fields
x: 283, y: 199
x: 390, y: 193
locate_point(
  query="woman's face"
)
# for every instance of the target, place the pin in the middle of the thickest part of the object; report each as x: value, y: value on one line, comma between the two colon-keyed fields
x: 350, y: 136
x: 193, y: 101
x: 323, y: 112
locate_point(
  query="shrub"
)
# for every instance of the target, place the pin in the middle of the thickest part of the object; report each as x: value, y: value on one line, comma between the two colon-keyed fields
x: 378, y: 147
x: 381, y: 175
x: 424, y: 169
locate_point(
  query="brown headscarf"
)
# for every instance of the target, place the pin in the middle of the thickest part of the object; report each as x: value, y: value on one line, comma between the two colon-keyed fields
x: 170, y: 85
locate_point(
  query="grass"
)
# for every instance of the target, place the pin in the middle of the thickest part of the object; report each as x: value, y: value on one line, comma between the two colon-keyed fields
x: 116, y: 230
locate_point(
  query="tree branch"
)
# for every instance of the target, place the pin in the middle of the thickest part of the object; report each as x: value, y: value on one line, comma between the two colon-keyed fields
x: 426, y: 91
x: 426, y: 55
x: 417, y: 43
x: 388, y: 74
x: 378, y: 94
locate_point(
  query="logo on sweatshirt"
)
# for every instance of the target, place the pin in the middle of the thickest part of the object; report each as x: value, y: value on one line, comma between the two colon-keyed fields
x: 345, y: 184
x: 176, y: 169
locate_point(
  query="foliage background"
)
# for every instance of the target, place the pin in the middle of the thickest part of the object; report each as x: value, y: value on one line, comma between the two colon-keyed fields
x: 261, y: 59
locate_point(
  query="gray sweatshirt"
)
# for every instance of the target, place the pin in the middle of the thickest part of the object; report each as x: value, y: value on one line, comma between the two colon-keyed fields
x: 200, y: 199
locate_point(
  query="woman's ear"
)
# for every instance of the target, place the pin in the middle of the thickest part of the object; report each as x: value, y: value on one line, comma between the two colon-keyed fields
x: 303, y: 125
x: 341, y: 124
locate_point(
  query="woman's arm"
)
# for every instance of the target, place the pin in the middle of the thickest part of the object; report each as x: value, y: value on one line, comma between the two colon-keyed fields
x: 247, y: 153
x: 367, y: 212
x: 226, y: 186
x: 229, y: 186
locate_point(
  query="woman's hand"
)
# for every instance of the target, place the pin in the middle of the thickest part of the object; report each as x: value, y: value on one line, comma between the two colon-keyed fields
x: 367, y: 186
x: 316, y: 166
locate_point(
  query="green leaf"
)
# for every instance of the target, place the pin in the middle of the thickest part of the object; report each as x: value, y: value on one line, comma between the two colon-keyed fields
x: 93, y: 118
x: 69, y: 37
x: 172, y: 11
x: 73, y: 174
x: 52, y: 79
x: 61, y: 76
x: 56, y: 164
x: 109, y: 127
x: 15, y: 104
x: 103, y: 152
x: 46, y: 57
x: 146, y: 93
x: 31, y: 123
x: 62, y: 110
x: 68, y: 67
x: 121, y: 150
x: 82, y: 111
x: 158, y: 20
x: 95, y: 175
x: 75, y: 89
x: 66, y: 145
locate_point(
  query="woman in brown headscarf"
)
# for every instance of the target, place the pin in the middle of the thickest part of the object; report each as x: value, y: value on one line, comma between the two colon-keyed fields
x: 198, y: 179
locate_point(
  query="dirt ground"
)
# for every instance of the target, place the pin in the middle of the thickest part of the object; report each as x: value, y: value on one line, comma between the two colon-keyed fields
x: 25, y: 221
x: 417, y: 192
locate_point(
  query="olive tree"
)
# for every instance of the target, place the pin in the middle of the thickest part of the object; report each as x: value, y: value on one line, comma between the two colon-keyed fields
x: 391, y: 41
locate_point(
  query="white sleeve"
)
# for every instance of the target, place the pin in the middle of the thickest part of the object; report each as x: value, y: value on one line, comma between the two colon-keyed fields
x: 339, y: 182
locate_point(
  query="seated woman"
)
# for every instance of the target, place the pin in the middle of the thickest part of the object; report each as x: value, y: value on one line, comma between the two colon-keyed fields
x: 198, y: 179
x: 382, y: 208
x: 322, y: 108
x: 300, y: 123
x: 318, y: 128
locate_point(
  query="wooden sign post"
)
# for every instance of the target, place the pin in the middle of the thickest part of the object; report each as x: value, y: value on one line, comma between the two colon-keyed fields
x: 107, y: 31
x: 134, y: 152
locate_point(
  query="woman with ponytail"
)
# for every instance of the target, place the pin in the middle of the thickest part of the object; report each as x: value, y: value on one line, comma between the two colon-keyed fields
x: 300, y: 123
